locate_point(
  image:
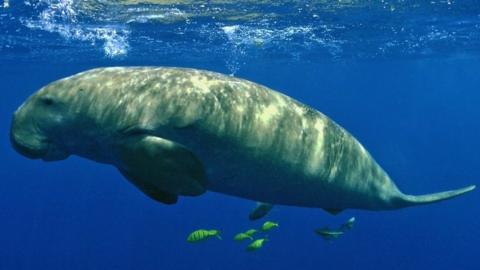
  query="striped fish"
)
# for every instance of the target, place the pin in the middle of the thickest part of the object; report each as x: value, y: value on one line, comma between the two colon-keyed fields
x: 257, y: 244
x: 242, y: 236
x: 202, y: 235
x: 267, y: 226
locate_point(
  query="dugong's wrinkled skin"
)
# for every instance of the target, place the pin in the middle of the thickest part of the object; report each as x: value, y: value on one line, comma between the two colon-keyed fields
x: 253, y: 142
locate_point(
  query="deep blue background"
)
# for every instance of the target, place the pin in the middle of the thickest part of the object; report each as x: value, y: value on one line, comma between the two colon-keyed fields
x: 401, y: 76
x: 418, y: 118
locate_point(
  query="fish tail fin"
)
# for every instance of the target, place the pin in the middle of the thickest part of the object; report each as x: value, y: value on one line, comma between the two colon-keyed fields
x: 412, y: 200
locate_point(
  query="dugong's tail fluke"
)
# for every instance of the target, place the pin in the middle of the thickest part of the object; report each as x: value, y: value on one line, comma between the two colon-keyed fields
x: 412, y: 200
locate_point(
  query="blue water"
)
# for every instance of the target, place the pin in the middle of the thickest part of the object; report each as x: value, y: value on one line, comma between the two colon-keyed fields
x: 402, y: 77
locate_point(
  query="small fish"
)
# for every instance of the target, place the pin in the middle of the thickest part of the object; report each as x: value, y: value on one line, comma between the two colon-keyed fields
x: 328, y: 234
x: 348, y: 224
x: 251, y: 232
x: 242, y: 236
x: 260, y: 211
x: 267, y: 226
x: 257, y: 244
x: 202, y: 235
x: 6, y: 3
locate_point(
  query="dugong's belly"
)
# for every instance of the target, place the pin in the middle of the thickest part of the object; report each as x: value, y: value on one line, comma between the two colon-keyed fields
x: 234, y: 170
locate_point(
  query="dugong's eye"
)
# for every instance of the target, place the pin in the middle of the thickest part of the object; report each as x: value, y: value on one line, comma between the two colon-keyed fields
x: 47, y: 101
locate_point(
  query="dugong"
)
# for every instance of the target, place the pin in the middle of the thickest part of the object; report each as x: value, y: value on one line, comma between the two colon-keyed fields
x: 178, y: 131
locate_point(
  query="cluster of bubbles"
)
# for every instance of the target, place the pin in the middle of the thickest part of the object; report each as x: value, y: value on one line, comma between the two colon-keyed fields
x: 242, y: 38
x: 241, y: 31
x: 60, y: 17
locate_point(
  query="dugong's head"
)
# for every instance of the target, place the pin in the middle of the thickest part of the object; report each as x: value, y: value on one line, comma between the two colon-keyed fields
x: 94, y: 114
x: 41, y: 124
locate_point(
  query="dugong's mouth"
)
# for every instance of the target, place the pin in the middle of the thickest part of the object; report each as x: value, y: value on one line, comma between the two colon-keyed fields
x: 29, y: 151
x: 46, y: 152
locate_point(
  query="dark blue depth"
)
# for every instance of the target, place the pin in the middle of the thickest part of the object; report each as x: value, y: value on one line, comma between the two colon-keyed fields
x: 418, y: 116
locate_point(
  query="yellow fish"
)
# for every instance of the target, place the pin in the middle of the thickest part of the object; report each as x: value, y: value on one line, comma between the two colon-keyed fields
x: 242, y: 236
x: 251, y: 232
x: 257, y: 244
x: 202, y: 235
x: 267, y: 226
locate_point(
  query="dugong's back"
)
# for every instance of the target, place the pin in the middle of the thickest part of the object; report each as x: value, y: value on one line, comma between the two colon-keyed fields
x: 253, y: 142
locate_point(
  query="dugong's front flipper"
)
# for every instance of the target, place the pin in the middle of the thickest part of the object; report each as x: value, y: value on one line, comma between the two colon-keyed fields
x: 151, y: 190
x: 162, y: 169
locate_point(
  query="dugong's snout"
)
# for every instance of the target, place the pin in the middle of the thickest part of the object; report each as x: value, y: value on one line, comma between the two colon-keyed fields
x: 27, y: 138
x: 28, y: 151
x: 23, y: 137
